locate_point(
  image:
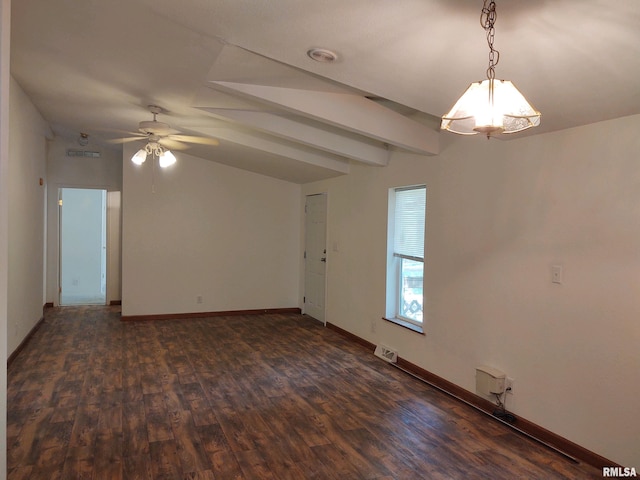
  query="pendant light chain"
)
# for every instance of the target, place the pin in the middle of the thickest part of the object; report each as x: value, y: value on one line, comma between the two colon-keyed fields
x: 488, y: 18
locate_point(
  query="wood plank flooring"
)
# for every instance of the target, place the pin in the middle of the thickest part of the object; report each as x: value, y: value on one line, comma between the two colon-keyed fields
x: 241, y: 397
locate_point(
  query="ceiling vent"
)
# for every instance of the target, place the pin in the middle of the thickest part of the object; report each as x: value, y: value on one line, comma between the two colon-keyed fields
x: 83, y: 153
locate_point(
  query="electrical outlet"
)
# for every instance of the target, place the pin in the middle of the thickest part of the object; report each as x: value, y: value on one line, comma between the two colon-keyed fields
x: 373, y: 326
x: 508, y: 385
x: 199, y: 299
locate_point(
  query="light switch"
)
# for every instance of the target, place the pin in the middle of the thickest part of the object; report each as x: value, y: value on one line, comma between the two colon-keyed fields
x: 556, y: 274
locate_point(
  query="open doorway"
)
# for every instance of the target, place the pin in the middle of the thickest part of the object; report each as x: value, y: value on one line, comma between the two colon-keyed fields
x: 83, y: 246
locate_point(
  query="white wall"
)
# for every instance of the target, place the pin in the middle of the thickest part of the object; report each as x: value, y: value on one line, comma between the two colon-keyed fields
x: 209, y: 230
x: 83, y: 172
x: 499, y: 215
x: 5, y: 81
x: 27, y: 166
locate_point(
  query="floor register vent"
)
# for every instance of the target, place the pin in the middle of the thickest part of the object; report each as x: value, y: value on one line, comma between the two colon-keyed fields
x: 385, y: 353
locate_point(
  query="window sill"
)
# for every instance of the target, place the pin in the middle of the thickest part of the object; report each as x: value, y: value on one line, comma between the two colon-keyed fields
x: 408, y: 325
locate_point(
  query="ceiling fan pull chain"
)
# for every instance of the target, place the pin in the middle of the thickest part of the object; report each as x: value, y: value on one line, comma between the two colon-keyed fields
x: 153, y: 173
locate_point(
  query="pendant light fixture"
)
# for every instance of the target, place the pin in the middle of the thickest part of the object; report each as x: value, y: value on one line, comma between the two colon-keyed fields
x: 490, y: 106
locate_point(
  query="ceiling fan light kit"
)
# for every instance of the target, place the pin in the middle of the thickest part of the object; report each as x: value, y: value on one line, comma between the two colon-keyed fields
x: 164, y: 156
x: 490, y: 106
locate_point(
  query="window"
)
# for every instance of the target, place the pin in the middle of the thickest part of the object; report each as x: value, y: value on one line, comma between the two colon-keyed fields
x: 405, y: 254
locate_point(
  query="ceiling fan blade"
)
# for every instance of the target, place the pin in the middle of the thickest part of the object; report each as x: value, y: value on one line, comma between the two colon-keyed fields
x: 125, y: 140
x: 173, y: 144
x: 114, y: 131
x: 192, y: 139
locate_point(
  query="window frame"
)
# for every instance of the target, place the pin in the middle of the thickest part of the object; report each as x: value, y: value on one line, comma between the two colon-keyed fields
x: 394, y: 293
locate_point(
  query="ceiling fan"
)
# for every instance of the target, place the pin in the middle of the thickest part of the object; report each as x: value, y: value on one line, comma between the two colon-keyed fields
x: 160, y: 138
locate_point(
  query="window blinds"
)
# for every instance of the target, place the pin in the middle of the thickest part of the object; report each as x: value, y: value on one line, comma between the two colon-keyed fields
x: 410, y: 210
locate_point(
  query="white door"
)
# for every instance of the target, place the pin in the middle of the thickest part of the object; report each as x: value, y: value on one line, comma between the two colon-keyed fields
x: 315, y: 255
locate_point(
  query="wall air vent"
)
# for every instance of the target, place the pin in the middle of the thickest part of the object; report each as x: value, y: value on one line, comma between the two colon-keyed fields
x: 385, y: 353
x: 83, y: 153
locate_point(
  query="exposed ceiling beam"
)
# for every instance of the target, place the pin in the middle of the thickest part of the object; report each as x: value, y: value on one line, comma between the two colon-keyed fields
x: 277, y: 147
x: 351, y: 112
x: 306, y: 134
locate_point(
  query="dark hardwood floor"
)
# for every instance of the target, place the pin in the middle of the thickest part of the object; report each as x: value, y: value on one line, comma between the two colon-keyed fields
x: 241, y: 397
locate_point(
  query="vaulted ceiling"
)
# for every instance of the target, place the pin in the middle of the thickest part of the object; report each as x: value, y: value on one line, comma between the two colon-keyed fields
x: 238, y: 71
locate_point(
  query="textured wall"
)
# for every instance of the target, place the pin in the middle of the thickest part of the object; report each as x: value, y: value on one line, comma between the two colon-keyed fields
x: 204, y: 229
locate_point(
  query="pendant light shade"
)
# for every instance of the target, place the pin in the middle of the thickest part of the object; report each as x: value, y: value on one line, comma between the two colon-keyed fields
x: 140, y: 157
x: 491, y: 107
x: 166, y: 159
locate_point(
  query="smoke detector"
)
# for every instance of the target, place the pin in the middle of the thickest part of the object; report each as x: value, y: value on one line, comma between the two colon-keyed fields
x: 322, y: 55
